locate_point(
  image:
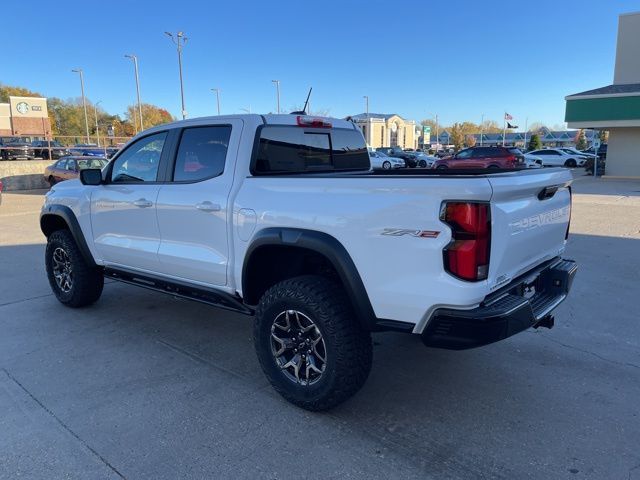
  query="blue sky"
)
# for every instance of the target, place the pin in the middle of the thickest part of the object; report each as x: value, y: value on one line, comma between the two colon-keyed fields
x: 459, y: 59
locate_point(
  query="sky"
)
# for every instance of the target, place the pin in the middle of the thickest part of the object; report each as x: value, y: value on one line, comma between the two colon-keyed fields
x: 457, y: 59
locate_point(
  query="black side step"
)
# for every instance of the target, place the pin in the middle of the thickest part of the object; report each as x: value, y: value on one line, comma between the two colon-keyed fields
x: 200, y: 294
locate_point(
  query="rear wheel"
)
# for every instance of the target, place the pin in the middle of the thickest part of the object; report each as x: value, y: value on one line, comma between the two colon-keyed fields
x: 441, y: 167
x: 309, y: 344
x: 571, y: 163
x: 493, y: 167
x: 386, y: 165
x: 51, y: 181
x: 422, y: 164
x: 74, y: 282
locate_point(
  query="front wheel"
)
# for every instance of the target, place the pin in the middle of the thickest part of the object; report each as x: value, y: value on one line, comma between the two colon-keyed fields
x: 51, y: 181
x: 571, y: 163
x: 441, y: 167
x: 386, y: 165
x: 309, y: 344
x: 422, y: 164
x: 74, y: 282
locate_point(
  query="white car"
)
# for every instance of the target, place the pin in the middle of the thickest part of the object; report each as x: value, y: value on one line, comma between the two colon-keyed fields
x: 556, y: 157
x: 280, y: 218
x: 382, y: 161
x: 532, y: 161
x: 575, y: 151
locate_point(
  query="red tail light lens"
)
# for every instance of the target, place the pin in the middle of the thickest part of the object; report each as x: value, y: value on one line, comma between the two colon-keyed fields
x: 314, y: 122
x: 467, y: 256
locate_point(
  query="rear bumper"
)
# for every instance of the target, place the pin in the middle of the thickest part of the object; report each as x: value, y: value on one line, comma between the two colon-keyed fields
x: 504, y: 313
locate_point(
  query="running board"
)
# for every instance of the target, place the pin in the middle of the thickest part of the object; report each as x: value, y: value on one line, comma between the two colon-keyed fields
x: 200, y: 294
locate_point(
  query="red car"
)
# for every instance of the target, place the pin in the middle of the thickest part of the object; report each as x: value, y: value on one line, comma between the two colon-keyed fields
x: 484, y: 157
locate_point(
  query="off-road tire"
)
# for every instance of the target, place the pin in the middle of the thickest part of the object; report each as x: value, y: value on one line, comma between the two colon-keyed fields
x: 87, y: 281
x: 348, y: 346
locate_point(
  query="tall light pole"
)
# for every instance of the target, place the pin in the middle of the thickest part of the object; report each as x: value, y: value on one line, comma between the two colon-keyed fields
x: 217, y: 92
x: 437, y: 132
x: 84, y: 101
x: 135, y: 67
x: 368, y: 134
x: 277, y: 84
x: 481, y: 128
x: 366, y: 98
x: 180, y: 40
x: 95, y: 112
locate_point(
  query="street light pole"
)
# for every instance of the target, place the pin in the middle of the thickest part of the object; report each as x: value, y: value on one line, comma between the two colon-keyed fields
x: 135, y: 66
x: 217, y: 91
x: 95, y: 112
x: 481, y: 129
x: 277, y: 83
x: 366, y: 98
x: 179, y: 40
x: 84, y: 101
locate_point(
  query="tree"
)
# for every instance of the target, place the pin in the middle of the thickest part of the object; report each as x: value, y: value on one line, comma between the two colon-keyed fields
x: 490, y: 126
x: 604, y: 136
x: 152, y: 115
x: 537, y: 127
x: 581, y: 140
x: 7, y: 91
x: 456, y: 136
x: 534, y: 142
x: 470, y: 141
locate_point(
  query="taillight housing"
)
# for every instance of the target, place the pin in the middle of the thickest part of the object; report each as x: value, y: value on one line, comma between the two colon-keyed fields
x: 314, y: 122
x: 467, y: 255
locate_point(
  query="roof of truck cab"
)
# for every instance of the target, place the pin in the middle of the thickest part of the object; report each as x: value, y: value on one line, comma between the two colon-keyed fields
x: 269, y: 119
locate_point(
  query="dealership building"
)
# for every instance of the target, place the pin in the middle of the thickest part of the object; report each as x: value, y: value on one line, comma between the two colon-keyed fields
x: 386, y: 130
x: 25, y: 117
x: 616, y: 107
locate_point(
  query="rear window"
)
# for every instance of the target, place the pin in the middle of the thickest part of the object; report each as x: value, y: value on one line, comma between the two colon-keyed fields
x: 286, y: 149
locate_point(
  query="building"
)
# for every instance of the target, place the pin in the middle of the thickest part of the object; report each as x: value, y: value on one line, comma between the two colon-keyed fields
x: 386, y: 130
x: 25, y: 117
x: 548, y: 138
x: 616, y: 107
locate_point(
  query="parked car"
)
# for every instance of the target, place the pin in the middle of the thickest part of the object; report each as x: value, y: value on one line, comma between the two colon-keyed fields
x: 87, y: 150
x: 602, y: 150
x: 484, y: 157
x: 575, y: 151
x: 218, y: 210
x: 69, y: 167
x: 532, y: 161
x: 41, y: 149
x: 16, y: 150
x: 382, y: 161
x: 556, y: 157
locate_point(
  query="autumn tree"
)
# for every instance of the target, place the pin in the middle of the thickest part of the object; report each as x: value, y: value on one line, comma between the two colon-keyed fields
x: 152, y: 115
x: 490, y: 126
x: 456, y: 136
x: 581, y: 140
x: 470, y: 141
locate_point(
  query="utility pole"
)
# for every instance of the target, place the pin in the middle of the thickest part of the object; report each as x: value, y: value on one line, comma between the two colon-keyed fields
x: 481, y: 129
x: 217, y: 92
x: 95, y: 112
x: 84, y: 101
x: 179, y: 40
x: 526, y: 126
x: 135, y: 66
x: 277, y: 84
x: 366, y: 98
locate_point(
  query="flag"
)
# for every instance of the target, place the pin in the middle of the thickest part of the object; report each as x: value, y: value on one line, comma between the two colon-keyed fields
x: 507, y: 116
x: 511, y: 126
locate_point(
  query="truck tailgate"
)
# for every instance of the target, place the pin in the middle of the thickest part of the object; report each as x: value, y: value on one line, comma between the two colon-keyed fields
x: 530, y: 216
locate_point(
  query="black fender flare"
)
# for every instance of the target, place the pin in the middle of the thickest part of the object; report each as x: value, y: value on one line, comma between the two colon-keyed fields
x: 331, y: 249
x: 50, y: 219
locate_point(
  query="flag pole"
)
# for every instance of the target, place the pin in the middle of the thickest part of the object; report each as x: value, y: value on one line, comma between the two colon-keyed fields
x: 504, y: 129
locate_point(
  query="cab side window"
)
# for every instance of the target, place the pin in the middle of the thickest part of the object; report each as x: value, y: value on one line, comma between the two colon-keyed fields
x: 140, y: 161
x: 202, y: 153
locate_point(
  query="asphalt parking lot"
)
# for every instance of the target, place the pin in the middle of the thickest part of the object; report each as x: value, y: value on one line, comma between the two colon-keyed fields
x: 142, y: 385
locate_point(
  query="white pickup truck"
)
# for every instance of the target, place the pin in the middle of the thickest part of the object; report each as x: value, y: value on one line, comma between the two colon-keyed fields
x: 281, y: 217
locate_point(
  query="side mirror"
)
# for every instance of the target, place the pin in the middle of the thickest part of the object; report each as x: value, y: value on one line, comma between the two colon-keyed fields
x: 91, y: 176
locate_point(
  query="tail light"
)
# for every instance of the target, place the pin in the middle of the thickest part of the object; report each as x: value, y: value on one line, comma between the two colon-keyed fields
x: 314, y: 122
x: 467, y: 255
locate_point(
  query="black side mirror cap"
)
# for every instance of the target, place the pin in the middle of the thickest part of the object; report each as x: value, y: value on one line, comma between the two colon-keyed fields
x: 91, y: 176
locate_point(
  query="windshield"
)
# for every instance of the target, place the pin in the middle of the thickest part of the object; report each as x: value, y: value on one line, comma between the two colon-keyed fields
x: 91, y: 163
